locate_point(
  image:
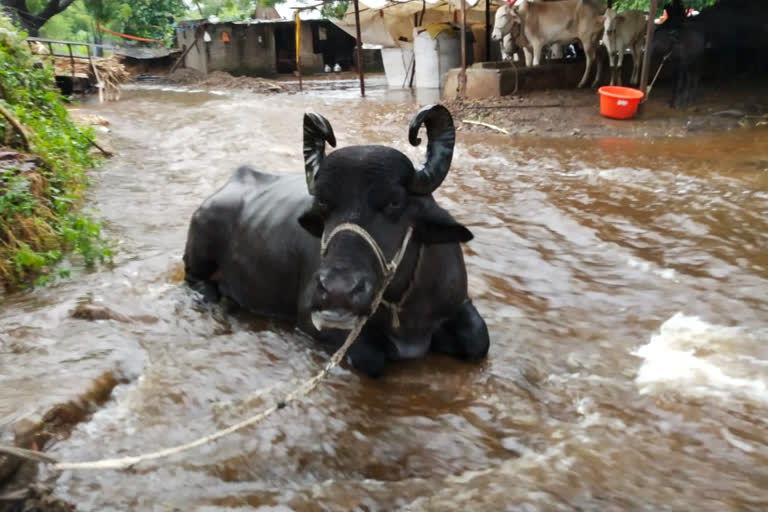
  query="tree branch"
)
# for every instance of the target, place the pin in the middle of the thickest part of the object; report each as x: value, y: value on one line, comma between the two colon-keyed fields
x: 15, y: 123
x: 53, y: 8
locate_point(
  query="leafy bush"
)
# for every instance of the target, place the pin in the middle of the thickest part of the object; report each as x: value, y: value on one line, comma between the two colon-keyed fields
x: 645, y: 4
x: 38, y: 217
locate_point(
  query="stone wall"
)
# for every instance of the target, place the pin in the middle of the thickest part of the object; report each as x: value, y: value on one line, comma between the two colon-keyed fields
x: 250, y: 49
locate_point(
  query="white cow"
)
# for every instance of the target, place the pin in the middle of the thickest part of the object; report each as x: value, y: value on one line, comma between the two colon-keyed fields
x: 508, y: 48
x: 512, y: 41
x: 562, y: 21
x: 507, y: 28
x: 625, y: 30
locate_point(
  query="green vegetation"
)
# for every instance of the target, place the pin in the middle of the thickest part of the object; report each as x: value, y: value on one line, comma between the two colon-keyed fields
x: 645, y: 4
x: 334, y: 9
x: 228, y: 10
x: 38, y: 207
x: 76, y: 20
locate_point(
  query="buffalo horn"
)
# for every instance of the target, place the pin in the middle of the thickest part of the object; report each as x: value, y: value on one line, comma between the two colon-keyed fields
x: 317, y: 131
x: 441, y: 136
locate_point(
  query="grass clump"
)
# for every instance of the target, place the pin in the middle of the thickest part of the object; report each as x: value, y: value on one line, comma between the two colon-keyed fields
x: 43, y: 161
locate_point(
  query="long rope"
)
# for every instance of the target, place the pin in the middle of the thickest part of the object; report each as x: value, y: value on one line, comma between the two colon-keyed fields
x: 650, y: 87
x: 305, y: 388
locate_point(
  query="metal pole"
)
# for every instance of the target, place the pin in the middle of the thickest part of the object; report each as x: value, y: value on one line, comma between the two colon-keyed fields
x: 488, y: 30
x: 648, y: 42
x: 359, y: 49
x: 463, y: 72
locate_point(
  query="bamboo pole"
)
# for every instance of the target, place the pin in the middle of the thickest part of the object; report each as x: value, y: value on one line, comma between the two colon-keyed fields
x: 72, y: 63
x: 645, y: 71
x: 359, y: 49
x: 487, y: 30
x: 463, y: 73
x: 298, y: 47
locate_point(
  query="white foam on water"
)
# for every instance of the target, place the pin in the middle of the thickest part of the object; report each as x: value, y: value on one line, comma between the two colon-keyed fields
x: 696, y: 358
x: 647, y: 266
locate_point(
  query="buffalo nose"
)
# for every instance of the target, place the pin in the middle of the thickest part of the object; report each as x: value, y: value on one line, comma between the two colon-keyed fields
x: 342, y: 289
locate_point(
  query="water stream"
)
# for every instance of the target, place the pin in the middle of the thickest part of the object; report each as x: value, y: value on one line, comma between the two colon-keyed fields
x: 624, y: 282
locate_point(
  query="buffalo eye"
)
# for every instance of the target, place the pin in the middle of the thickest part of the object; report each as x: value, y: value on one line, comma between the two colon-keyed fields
x: 394, y: 205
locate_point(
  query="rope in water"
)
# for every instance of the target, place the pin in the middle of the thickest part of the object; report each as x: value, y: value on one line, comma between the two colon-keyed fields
x: 305, y: 388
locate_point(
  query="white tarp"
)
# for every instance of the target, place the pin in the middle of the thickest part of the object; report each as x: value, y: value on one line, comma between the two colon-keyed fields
x: 385, y: 23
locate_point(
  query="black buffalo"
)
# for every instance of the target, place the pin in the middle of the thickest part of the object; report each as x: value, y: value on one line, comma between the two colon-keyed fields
x: 727, y: 32
x: 258, y: 241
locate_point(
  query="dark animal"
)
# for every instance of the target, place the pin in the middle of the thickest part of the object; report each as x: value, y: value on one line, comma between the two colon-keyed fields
x: 726, y: 31
x: 319, y: 259
x: 684, y: 48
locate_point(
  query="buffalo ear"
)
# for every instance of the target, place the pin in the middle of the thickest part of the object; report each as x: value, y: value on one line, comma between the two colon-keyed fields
x: 312, y: 222
x: 433, y: 225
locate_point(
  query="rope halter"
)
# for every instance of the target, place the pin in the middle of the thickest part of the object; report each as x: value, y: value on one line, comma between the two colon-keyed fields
x: 388, y: 269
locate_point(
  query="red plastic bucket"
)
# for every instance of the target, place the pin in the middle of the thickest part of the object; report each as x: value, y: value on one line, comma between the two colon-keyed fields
x: 619, y: 102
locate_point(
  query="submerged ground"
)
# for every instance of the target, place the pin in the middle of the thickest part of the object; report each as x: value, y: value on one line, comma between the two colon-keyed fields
x: 623, y: 281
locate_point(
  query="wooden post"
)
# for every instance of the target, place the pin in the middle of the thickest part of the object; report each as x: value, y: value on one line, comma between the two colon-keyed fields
x: 72, y: 63
x: 488, y: 30
x: 645, y: 71
x: 183, y: 55
x: 359, y: 49
x: 463, y: 73
x: 99, y: 83
x: 297, y: 21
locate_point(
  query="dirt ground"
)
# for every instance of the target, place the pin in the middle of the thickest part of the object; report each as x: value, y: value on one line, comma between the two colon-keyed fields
x: 575, y: 112
x: 561, y: 112
x: 224, y: 80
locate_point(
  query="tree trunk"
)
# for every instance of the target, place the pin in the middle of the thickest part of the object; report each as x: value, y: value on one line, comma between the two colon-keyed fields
x: 30, y: 22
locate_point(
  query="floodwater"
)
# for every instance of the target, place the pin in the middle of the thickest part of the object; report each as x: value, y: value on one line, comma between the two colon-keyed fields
x: 624, y: 283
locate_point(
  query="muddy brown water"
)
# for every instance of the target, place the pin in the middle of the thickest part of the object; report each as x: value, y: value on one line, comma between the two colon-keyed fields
x: 624, y: 282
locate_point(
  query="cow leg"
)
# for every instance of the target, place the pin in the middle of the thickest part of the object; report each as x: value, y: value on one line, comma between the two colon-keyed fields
x: 619, y: 68
x: 464, y: 336
x: 695, y: 77
x: 637, y: 50
x: 589, y: 50
x: 528, y: 56
x: 522, y: 58
x: 678, y: 100
x: 612, y: 66
x: 596, y: 55
x: 599, y: 71
x: 537, y: 48
x: 635, y: 56
x: 368, y: 353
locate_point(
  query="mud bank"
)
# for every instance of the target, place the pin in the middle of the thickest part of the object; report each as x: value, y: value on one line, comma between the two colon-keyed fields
x: 575, y: 112
x: 224, y: 80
